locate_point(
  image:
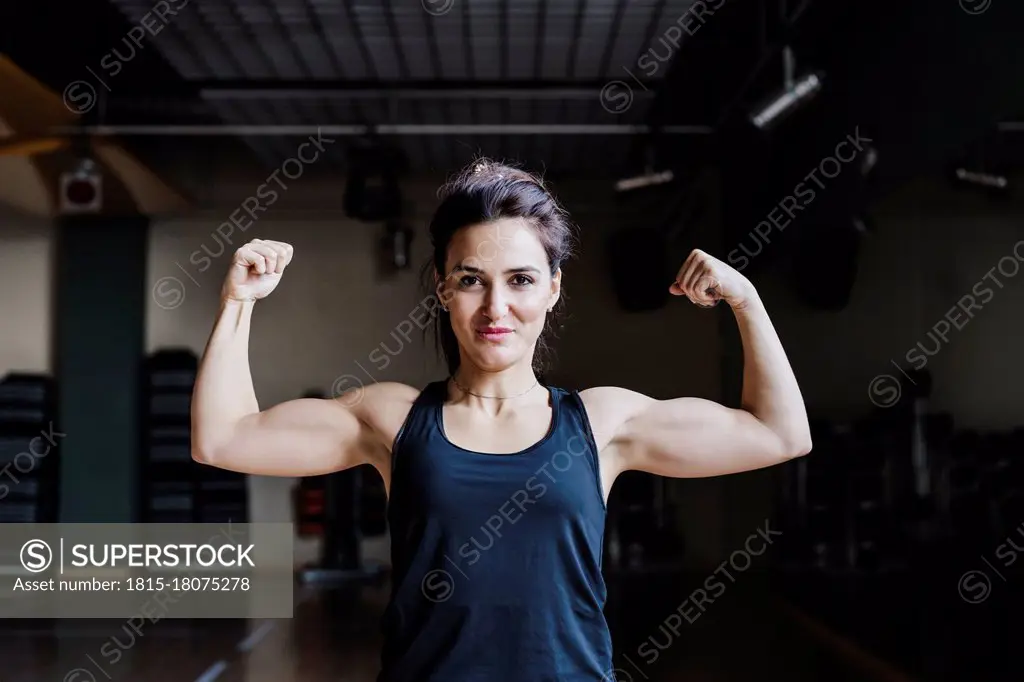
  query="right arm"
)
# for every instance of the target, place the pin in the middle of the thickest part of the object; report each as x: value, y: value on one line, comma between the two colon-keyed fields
x: 303, y: 437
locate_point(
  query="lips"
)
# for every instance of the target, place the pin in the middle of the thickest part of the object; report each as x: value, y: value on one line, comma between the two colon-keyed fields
x: 494, y: 333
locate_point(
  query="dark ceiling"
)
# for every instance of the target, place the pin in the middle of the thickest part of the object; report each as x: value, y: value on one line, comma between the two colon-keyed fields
x: 926, y: 78
x: 361, y: 62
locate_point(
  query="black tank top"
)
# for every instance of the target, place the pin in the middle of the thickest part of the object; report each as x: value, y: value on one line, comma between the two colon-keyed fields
x: 496, y: 557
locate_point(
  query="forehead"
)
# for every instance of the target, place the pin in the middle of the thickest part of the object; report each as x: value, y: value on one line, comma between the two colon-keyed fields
x: 495, y: 244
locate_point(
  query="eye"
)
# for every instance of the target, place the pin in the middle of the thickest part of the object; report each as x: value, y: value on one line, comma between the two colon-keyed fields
x: 521, y: 280
x: 468, y: 281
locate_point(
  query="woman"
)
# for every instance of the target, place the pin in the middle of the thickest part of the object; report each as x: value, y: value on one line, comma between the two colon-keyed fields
x: 497, y: 485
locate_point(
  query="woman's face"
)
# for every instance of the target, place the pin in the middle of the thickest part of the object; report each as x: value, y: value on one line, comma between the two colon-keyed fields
x: 498, y: 288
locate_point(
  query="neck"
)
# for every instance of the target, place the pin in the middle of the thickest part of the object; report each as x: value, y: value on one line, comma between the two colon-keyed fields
x: 508, y: 385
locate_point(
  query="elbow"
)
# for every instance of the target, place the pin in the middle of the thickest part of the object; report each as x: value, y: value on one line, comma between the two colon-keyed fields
x: 804, y: 448
x: 792, y: 445
x: 210, y: 446
x: 204, y: 453
x: 215, y: 447
x: 200, y: 456
x: 796, y: 441
x: 797, y: 447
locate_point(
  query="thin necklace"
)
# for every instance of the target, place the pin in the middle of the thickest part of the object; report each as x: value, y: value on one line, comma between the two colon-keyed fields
x: 496, y: 397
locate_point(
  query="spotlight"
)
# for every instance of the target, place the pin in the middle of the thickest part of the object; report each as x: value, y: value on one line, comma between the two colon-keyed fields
x: 794, y: 94
x: 81, y: 191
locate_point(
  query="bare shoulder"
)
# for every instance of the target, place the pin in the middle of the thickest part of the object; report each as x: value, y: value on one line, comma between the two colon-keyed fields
x: 381, y: 393
x: 609, y: 407
x: 382, y: 406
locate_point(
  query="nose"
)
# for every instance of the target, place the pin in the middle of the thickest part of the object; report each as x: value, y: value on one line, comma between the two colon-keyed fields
x: 496, y: 304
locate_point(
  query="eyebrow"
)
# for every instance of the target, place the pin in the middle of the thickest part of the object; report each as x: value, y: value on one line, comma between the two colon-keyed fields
x: 477, y: 271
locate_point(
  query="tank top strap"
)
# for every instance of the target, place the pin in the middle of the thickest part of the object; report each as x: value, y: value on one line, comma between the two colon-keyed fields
x: 421, y: 418
x: 577, y: 432
x: 575, y: 416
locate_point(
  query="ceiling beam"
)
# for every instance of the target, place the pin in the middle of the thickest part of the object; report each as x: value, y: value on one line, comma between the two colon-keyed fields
x: 368, y: 88
x: 172, y: 130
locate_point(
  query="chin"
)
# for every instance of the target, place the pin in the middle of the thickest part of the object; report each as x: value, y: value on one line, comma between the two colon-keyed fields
x: 496, y: 361
x: 495, y: 358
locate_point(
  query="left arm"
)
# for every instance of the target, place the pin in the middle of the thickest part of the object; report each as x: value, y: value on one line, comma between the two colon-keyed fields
x: 693, y: 437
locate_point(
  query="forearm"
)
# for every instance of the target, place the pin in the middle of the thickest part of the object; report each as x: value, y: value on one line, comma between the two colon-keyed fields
x: 223, y: 394
x: 770, y: 389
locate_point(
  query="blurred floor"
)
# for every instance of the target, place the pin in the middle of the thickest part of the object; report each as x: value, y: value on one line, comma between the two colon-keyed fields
x: 741, y: 636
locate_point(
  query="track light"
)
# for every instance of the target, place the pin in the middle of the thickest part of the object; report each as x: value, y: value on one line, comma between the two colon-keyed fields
x: 981, y: 179
x: 645, y: 180
x: 794, y: 94
x: 983, y: 167
x: 649, y: 178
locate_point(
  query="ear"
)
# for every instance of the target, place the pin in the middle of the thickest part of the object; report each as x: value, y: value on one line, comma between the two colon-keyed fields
x: 556, y: 288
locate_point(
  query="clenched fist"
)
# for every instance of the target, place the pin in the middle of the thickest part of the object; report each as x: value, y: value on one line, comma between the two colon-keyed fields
x: 705, y: 280
x: 256, y: 270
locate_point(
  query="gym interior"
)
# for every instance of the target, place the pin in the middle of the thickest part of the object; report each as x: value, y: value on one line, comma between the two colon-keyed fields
x: 856, y: 160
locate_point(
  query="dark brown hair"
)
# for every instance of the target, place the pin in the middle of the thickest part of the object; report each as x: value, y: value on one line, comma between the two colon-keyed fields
x: 486, y: 191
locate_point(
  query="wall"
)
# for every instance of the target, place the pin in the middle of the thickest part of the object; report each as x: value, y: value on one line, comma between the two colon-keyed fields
x: 26, y: 249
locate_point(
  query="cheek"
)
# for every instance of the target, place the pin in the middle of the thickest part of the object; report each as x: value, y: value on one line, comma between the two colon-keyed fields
x: 531, y: 307
x: 464, y: 303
